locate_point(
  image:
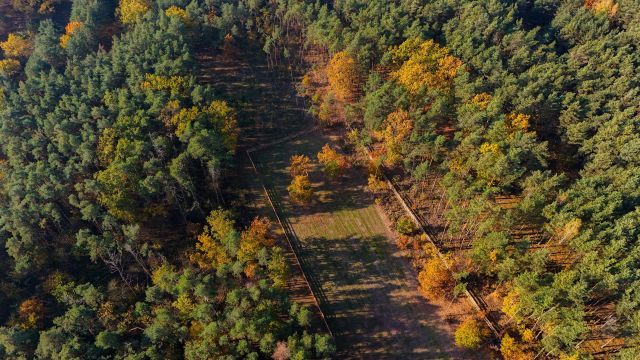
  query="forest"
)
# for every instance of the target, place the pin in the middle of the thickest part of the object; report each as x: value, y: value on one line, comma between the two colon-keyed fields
x: 499, y: 139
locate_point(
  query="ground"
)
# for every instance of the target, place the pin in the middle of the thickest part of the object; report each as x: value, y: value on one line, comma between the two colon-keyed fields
x: 365, y: 285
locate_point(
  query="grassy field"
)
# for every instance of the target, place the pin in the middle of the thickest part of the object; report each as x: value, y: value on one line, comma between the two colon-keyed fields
x: 367, y: 289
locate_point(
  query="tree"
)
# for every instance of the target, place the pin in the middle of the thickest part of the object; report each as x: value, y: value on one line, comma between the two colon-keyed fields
x: 343, y: 76
x: 31, y: 313
x: 70, y: 29
x: 300, y: 189
x: 405, y: 226
x: 419, y: 64
x: 469, y: 334
x: 375, y: 184
x: 254, y: 238
x: 435, y: 279
x: 278, y: 268
x: 334, y: 164
x: 398, y: 127
x: 131, y: 11
x: 9, y: 67
x: 16, y: 46
x: 300, y: 165
x: 607, y: 7
x: 215, y: 240
x: 35, y: 6
x: 178, y: 12
x: 511, y: 349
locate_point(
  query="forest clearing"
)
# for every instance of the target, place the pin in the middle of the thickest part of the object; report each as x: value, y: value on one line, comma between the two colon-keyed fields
x: 367, y: 288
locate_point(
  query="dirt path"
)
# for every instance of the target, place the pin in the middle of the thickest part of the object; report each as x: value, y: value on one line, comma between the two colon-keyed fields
x: 366, y: 287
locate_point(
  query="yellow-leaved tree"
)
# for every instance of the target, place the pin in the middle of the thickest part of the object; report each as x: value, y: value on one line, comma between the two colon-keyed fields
x: 300, y: 189
x: 211, y: 251
x: 16, y: 46
x: 225, y: 118
x: 470, y: 334
x: 512, y: 349
x: 130, y: 11
x: 398, y: 127
x: 178, y: 12
x: 9, y: 67
x: 423, y: 63
x: 436, y: 281
x: 218, y: 113
x: 334, y: 164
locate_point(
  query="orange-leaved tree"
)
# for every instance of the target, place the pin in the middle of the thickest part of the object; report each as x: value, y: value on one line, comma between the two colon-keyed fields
x: 300, y: 165
x: 255, y: 237
x: 607, y: 7
x: 31, y: 312
x: 300, y: 189
x: 333, y: 163
x: 343, y: 76
x: 435, y: 279
x: 68, y: 32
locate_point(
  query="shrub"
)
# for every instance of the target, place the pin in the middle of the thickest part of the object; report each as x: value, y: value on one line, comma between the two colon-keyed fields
x: 469, y: 334
x: 405, y: 226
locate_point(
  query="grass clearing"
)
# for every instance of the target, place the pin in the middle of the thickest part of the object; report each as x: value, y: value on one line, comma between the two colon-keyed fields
x: 366, y: 287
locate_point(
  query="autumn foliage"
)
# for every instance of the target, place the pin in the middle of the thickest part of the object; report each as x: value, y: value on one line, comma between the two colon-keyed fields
x: 69, y: 30
x: 300, y: 189
x: 607, y: 7
x: 512, y: 349
x: 470, y: 334
x: 300, y: 165
x: 334, y: 164
x: 398, y: 127
x: 9, y: 67
x: 435, y: 279
x: 16, y: 46
x: 254, y: 238
x: 211, y: 252
x: 423, y: 63
x: 130, y: 11
x: 342, y: 74
x: 31, y: 312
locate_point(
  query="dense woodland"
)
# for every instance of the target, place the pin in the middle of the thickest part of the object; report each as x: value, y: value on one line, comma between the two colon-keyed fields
x: 109, y: 145
x: 520, y: 114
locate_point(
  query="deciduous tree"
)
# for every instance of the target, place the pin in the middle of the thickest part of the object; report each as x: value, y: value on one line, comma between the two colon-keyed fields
x: 470, y: 334
x: 299, y: 165
x: 16, y: 46
x: 300, y: 189
x: 343, y: 76
x: 334, y: 164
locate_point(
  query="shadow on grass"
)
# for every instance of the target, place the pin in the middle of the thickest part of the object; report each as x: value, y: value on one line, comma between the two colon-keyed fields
x: 362, y: 288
